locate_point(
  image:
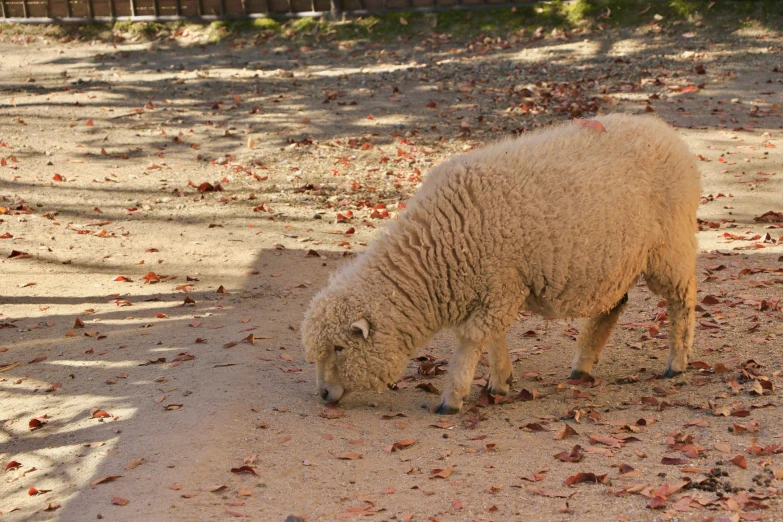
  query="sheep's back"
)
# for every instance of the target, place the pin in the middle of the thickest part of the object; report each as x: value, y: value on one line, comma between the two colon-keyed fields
x: 577, y: 212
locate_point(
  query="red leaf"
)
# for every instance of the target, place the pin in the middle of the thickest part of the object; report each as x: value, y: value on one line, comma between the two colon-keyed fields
x: 90, y: 123
x: 58, y: 177
x: 12, y: 465
x: 710, y: 300
x: 34, y: 424
x: 585, y: 477
x: 674, y: 461
x: 740, y: 461
x: 99, y: 414
x: 590, y: 124
x: 119, y: 501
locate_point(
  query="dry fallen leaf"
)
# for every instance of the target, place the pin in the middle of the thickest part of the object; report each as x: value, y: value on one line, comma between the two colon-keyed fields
x: 244, y: 469
x: 442, y: 473
x: 740, y: 461
x: 590, y: 124
x: 104, y: 479
x: 135, y: 464
x: 565, y: 431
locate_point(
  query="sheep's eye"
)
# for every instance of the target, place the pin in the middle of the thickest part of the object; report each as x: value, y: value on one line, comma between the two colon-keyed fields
x: 338, y: 349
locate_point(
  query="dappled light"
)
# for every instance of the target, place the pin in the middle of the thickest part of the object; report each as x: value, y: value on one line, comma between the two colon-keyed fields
x: 169, y: 208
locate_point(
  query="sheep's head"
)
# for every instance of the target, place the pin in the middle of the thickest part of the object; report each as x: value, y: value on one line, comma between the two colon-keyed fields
x: 354, y: 346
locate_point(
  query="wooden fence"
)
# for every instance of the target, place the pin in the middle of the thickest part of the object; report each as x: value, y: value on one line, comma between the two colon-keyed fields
x: 141, y: 10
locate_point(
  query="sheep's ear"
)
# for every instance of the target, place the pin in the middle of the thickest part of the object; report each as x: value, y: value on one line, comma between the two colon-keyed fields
x: 362, y: 325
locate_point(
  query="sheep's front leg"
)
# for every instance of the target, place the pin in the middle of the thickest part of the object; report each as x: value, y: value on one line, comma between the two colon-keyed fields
x: 591, y: 341
x: 500, y: 375
x: 462, y: 368
x: 682, y: 321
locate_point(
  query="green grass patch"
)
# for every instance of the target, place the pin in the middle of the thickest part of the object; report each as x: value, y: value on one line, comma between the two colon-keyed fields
x: 496, y: 21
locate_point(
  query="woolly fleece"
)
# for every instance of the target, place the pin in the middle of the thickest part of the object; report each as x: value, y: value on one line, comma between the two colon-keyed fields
x: 560, y: 222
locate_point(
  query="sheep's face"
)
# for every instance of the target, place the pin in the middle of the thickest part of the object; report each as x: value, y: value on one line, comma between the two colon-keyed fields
x: 352, y: 349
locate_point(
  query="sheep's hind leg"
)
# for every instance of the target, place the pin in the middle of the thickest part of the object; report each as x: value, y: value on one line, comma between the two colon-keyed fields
x: 682, y: 320
x: 500, y: 373
x: 593, y: 338
x: 462, y: 368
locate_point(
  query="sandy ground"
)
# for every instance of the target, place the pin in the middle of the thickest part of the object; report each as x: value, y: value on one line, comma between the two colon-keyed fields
x: 168, y: 209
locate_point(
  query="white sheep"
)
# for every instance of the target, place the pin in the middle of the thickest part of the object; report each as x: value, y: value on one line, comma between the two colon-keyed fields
x: 561, y: 222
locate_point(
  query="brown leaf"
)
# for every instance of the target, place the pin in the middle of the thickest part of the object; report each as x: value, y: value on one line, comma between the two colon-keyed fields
x: 104, y: 479
x: 235, y: 513
x: 442, y: 473
x: 244, y: 469
x: 349, y: 456
x: 575, y: 455
x: 400, y: 445
x: 428, y: 387
x: 609, y: 441
x: 135, y: 464
x: 565, y: 431
x: 740, y: 461
x: 585, y: 477
x: 119, y: 501
x: 674, y: 461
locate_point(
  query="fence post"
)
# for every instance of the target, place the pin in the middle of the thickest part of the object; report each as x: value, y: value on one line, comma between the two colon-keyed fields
x: 336, y: 9
x: 112, y: 12
x: 179, y: 7
x: 156, y: 8
x: 133, y: 7
x: 2, y: 6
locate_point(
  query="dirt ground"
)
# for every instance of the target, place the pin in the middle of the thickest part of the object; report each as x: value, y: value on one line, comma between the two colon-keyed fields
x: 169, y: 208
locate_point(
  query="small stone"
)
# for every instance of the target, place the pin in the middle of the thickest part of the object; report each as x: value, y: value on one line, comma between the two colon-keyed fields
x: 317, y: 216
x: 294, y: 518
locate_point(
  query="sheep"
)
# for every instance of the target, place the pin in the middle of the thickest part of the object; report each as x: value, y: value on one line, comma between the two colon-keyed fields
x: 560, y: 222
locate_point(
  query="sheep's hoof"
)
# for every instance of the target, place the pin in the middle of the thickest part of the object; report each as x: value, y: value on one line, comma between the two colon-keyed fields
x: 577, y: 375
x: 669, y: 373
x: 497, y: 391
x: 445, y: 409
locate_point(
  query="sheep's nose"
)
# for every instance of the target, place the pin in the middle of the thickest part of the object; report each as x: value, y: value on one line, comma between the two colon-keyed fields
x: 325, y: 394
